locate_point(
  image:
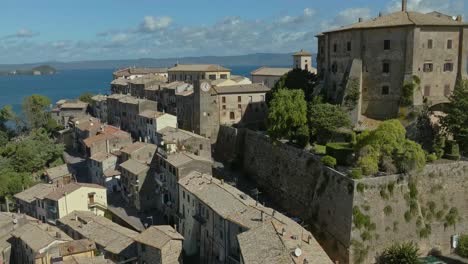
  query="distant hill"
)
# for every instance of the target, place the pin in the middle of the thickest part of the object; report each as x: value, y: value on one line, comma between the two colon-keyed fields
x: 23, y: 70
x: 270, y: 59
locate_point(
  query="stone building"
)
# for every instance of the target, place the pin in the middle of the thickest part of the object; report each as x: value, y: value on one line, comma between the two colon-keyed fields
x: 132, y: 73
x: 378, y: 57
x: 221, y: 224
x: 81, y: 129
x: 99, y: 107
x: 48, y: 202
x: 124, y: 110
x: 241, y: 105
x: 120, y: 86
x: 138, y: 86
x: 59, y: 175
x: 174, y: 140
x: 170, y: 168
x: 168, y: 93
x: 107, y: 140
x: 270, y: 75
x: 191, y: 72
x: 32, y: 242
x: 160, y: 245
x: 67, y: 109
x: 150, y: 121
x: 112, y: 240
x: 137, y: 181
x: 102, y: 168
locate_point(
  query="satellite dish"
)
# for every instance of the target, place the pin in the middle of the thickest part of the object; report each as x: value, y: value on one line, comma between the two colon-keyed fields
x: 454, y: 18
x: 297, y: 252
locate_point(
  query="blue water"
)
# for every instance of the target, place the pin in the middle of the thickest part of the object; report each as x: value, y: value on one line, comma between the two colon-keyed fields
x: 67, y: 84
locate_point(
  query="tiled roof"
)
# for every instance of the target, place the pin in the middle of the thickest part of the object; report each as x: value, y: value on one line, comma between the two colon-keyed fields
x: 117, y: 96
x: 151, y: 114
x: 60, y: 192
x: 85, y: 260
x: 181, y: 158
x: 111, y: 173
x: 139, y: 71
x: 148, y: 79
x: 74, y: 104
x: 199, y: 68
x: 134, y: 166
x: 172, y: 134
x: 402, y: 19
x: 302, y: 53
x: 120, y: 81
x: 243, y: 88
x: 107, y: 234
x: 109, y: 132
x: 271, y: 71
x: 101, y: 156
x: 38, y: 236
x: 158, y: 236
x: 58, y: 172
x: 76, y: 247
x: 99, y: 97
x: 37, y: 191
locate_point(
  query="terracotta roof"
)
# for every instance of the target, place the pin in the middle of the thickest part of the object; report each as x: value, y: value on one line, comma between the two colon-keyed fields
x: 60, y: 192
x: 109, y: 132
x: 158, y: 236
x: 302, y: 53
x: 402, y: 19
x: 38, y: 236
x: 271, y: 71
x: 199, y: 68
x: 87, y: 123
x: 242, y: 88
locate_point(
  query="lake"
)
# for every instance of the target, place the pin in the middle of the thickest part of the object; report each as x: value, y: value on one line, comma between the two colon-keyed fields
x: 67, y: 84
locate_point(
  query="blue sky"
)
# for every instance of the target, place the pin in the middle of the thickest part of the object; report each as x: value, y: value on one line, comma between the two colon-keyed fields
x: 70, y: 30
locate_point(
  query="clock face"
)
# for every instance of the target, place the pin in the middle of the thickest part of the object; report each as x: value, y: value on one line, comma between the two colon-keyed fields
x: 205, y: 86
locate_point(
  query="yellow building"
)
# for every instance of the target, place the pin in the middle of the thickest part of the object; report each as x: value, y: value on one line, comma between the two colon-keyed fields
x: 192, y: 72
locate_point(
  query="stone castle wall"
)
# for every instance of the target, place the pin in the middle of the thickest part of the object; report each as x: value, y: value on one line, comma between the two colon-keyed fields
x: 330, y: 202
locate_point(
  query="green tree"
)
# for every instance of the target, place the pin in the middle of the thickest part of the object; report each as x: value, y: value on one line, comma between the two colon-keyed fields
x: 462, y: 247
x: 86, y: 97
x: 35, y: 109
x: 326, y: 118
x: 406, y: 253
x: 456, y: 119
x: 287, y: 116
x: 298, y: 79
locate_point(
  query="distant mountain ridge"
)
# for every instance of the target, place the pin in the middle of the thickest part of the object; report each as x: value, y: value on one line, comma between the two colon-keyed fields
x: 267, y: 59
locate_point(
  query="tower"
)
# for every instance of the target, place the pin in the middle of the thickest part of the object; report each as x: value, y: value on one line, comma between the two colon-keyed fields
x: 302, y: 60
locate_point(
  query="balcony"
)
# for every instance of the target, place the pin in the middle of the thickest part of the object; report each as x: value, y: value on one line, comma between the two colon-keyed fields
x: 93, y: 204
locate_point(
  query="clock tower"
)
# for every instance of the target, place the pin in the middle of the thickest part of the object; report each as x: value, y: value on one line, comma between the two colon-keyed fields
x: 206, y: 114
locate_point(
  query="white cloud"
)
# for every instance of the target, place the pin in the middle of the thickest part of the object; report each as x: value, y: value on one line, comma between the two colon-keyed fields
x: 120, y: 37
x: 347, y: 17
x: 152, y: 24
x: 22, y: 33
x: 450, y: 7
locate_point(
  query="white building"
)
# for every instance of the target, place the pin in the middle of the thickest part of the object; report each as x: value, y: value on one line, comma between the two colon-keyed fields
x: 151, y: 121
x: 103, y: 171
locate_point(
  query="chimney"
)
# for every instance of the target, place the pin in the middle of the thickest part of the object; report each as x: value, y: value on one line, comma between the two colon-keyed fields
x: 404, y: 5
x: 360, y: 19
x: 58, y: 235
x: 261, y: 216
x: 309, y: 238
x: 459, y: 18
x: 283, y: 231
x: 380, y: 14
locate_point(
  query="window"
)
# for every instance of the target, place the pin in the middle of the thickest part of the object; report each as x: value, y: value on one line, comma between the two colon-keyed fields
x: 250, y: 99
x: 223, y: 99
x: 449, y: 44
x: 428, y: 67
x: 386, y: 67
x: 262, y: 98
x: 348, y: 46
x: 448, y: 67
x: 429, y: 43
x: 427, y: 90
x: 143, y: 247
x: 239, y: 99
x: 223, y: 76
x: 232, y: 116
x: 224, y: 107
x: 334, y: 67
x: 212, y: 77
x: 183, y: 194
x: 385, y: 90
x: 239, y: 106
x: 387, y: 44
x: 335, y: 47
x: 447, y: 90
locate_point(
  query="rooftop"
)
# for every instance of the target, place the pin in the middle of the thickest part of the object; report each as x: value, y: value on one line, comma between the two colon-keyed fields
x: 109, y: 132
x: 151, y: 114
x: 265, y: 226
x: 139, y: 71
x: 242, y: 88
x: 120, y: 81
x: 271, y: 71
x: 57, y: 193
x: 403, y: 18
x: 58, y: 172
x: 181, y: 158
x: 99, y: 97
x: 172, y: 134
x: 101, y: 156
x: 199, y: 68
x: 85, y: 260
x: 72, y: 104
x: 302, y: 53
x: 38, y: 191
x: 87, y: 123
x: 134, y: 166
x: 76, y: 247
x: 107, y: 234
x: 38, y: 235
x: 132, y: 100
x: 158, y: 236
x: 141, y: 152
x: 148, y: 79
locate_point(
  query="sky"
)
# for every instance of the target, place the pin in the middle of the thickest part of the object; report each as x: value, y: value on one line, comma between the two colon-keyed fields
x: 77, y: 30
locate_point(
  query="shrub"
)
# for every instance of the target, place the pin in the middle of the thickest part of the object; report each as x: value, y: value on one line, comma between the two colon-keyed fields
x: 388, y: 210
x: 356, y: 174
x: 452, y: 150
x: 431, y: 157
x: 410, y: 157
x: 406, y: 253
x: 407, y: 94
x: 451, y: 217
x: 342, y: 152
x: 361, y: 220
x: 302, y: 136
x: 361, y: 187
x: 329, y: 161
x: 462, y: 247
